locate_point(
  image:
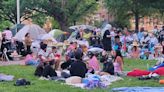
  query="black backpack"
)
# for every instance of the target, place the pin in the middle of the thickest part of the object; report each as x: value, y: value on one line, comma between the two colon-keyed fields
x: 22, y: 82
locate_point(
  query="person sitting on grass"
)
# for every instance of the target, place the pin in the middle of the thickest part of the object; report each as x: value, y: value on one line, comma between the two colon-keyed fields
x: 28, y: 42
x: 78, y: 67
x: 93, y: 63
x: 30, y: 59
x: 56, y: 56
x: 108, y: 67
x: 135, y: 53
x: 43, y: 59
x: 49, y: 70
x: 118, y: 62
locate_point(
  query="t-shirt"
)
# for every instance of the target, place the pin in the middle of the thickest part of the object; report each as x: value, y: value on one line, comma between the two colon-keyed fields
x: 78, y: 68
x: 8, y: 34
x: 43, y: 54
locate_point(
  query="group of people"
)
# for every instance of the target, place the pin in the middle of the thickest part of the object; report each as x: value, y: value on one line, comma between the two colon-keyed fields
x: 79, y: 61
x: 139, y: 45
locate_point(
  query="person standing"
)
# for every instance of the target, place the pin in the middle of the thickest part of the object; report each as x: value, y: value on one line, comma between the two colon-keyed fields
x: 28, y: 42
x: 107, y: 41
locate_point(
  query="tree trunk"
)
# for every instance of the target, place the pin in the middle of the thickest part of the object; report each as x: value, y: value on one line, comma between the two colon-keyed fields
x: 74, y: 23
x: 63, y: 25
x: 136, y: 15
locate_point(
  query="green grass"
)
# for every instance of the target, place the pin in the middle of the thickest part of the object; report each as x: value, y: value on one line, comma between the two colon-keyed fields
x: 52, y: 86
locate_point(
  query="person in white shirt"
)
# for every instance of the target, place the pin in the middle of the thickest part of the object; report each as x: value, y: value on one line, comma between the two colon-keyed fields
x: 8, y: 33
x: 153, y: 39
x: 145, y: 39
x: 135, y: 37
x: 155, y: 30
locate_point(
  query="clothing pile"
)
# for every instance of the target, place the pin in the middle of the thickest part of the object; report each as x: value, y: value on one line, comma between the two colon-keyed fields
x: 92, y: 81
x: 4, y: 77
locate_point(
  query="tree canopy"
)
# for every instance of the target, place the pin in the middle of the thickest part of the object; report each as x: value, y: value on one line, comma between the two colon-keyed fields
x: 124, y: 9
x: 66, y: 12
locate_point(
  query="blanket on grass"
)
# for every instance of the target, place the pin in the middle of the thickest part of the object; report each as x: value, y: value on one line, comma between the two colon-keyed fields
x: 95, y: 81
x: 4, y: 77
x: 138, y: 89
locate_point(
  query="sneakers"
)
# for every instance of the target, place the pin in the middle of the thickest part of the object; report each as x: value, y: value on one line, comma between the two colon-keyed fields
x: 150, y: 76
x: 43, y: 78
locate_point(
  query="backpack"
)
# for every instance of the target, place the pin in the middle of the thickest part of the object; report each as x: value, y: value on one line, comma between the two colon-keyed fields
x: 22, y: 82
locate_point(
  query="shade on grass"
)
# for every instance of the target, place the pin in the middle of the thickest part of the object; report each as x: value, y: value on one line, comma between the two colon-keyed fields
x: 52, y: 86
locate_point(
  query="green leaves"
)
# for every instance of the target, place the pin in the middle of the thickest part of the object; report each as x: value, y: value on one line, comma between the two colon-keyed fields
x: 130, y: 8
x: 66, y: 12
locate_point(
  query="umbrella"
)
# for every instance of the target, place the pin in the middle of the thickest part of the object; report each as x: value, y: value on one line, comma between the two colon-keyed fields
x: 33, y: 29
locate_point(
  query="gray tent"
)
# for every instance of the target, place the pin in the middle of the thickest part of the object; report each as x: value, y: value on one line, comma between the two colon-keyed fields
x: 33, y: 29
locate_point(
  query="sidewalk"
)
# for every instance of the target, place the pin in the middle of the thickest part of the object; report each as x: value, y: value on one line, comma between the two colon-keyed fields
x: 6, y: 63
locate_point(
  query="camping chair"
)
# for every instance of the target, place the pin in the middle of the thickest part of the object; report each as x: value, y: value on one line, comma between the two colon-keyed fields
x: 4, y: 55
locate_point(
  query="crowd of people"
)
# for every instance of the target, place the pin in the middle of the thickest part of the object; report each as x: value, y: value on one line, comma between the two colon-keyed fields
x: 79, y: 61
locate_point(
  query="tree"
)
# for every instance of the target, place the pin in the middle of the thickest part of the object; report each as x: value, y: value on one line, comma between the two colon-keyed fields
x: 135, y: 8
x: 8, y: 10
x: 66, y: 12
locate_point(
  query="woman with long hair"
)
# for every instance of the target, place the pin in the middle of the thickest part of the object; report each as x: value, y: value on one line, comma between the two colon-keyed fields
x: 118, y: 62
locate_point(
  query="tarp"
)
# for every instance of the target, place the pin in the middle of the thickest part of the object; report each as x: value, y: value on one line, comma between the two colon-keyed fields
x: 33, y: 29
x: 138, y: 89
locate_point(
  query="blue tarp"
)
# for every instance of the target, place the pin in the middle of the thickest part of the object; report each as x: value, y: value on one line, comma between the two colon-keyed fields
x: 138, y: 89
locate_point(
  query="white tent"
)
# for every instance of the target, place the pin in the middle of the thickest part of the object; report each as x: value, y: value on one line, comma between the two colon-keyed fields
x: 83, y: 27
x: 48, y: 37
x: 33, y: 29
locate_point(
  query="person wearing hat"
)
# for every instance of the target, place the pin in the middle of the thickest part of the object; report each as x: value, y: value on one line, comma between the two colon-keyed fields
x: 157, y: 51
x: 135, y: 53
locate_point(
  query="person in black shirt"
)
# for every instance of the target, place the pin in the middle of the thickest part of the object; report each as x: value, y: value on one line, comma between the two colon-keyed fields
x: 107, y: 41
x: 78, y: 68
x: 108, y: 67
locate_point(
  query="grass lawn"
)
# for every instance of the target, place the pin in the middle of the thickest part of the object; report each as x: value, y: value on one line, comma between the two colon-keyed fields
x: 52, y: 86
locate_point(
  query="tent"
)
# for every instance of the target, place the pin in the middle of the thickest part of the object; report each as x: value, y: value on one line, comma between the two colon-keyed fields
x: 85, y: 27
x: 16, y: 28
x: 59, y: 35
x: 56, y: 32
x: 33, y: 29
x: 47, y: 37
